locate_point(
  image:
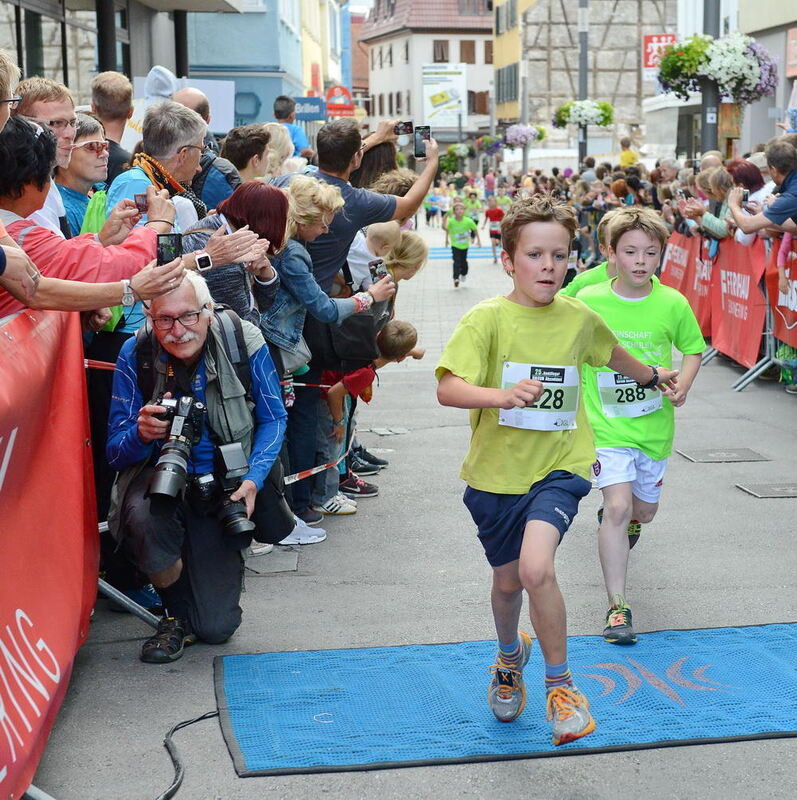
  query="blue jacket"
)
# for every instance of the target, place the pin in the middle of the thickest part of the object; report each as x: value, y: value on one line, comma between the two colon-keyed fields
x: 298, y: 293
x: 125, y: 449
x: 217, y: 181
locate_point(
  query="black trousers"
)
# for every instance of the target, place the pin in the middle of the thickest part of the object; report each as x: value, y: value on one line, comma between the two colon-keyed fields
x: 460, y: 257
x: 208, y: 592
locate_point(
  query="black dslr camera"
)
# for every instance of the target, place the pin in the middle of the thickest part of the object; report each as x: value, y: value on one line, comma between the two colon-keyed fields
x: 230, y: 466
x: 171, y: 471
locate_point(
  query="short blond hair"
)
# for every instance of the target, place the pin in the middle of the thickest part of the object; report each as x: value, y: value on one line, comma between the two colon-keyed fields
x: 409, y: 253
x: 40, y: 90
x: 397, y: 181
x: 604, y: 223
x: 309, y: 200
x: 9, y: 73
x: 537, y: 208
x: 637, y: 218
x: 280, y: 147
x: 112, y: 95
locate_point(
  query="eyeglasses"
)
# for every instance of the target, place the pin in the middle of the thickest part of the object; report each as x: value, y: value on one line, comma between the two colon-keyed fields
x: 203, y: 149
x: 13, y: 102
x: 187, y: 320
x: 96, y: 146
x: 55, y: 124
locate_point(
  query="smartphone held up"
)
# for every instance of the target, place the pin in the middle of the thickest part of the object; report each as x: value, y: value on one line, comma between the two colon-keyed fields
x: 170, y: 246
x: 423, y: 133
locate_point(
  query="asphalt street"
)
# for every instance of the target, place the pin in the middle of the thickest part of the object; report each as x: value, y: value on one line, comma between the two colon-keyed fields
x: 408, y: 569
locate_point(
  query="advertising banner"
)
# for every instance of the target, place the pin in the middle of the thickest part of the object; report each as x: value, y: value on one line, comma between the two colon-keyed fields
x: 697, y: 285
x: 48, y: 538
x: 445, y: 95
x: 679, y: 258
x: 783, y: 304
x: 310, y: 109
x: 652, y: 49
x: 738, y: 305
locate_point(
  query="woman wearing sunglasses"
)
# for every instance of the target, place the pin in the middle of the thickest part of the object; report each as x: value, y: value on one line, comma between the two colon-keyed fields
x: 86, y: 173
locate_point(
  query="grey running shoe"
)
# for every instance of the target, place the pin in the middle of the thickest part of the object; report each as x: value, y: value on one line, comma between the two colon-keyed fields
x: 506, y: 694
x: 568, y: 709
x: 619, y: 628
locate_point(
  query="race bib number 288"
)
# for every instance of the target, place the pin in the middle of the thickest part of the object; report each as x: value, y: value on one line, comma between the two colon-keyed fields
x: 622, y: 397
x: 556, y: 408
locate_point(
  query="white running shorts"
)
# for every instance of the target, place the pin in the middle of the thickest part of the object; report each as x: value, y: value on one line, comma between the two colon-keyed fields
x: 630, y: 465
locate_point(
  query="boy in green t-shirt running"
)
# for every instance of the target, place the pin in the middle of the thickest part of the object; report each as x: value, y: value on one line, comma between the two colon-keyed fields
x: 515, y: 361
x: 603, y: 271
x: 634, y: 427
x: 458, y: 230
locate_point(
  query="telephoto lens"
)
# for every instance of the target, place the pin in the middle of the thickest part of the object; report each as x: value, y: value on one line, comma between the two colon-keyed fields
x: 171, y: 470
x: 231, y: 466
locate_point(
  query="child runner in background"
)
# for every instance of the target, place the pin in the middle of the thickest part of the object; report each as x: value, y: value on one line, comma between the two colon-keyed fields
x: 515, y: 361
x: 473, y: 209
x: 502, y: 199
x: 634, y: 425
x: 458, y: 230
x: 492, y: 217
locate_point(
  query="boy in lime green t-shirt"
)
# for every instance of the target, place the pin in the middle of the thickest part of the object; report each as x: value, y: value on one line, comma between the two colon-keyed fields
x: 515, y: 362
x: 459, y: 230
x: 604, y: 270
x: 634, y: 427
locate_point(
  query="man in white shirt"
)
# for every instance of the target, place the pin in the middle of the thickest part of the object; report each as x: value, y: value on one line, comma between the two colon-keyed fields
x: 50, y: 104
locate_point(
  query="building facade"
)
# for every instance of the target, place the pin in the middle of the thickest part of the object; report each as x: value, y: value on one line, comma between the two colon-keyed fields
x: 265, y: 61
x: 71, y: 40
x: 404, y: 35
x: 773, y: 24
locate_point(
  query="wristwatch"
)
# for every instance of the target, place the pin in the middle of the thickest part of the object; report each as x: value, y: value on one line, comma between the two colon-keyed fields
x: 128, y: 296
x: 653, y: 382
x: 203, y: 261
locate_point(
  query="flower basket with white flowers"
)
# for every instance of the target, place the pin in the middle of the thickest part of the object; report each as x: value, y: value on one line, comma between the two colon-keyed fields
x: 743, y: 70
x: 522, y: 135
x: 584, y: 112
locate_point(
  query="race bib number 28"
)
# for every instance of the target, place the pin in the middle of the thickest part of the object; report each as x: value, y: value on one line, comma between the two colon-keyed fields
x: 556, y: 408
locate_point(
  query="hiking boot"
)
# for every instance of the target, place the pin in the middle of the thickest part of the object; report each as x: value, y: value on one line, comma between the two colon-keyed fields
x: 370, y: 458
x: 361, y: 467
x: 619, y: 629
x: 568, y: 709
x: 506, y: 694
x: 354, y: 487
x: 168, y: 643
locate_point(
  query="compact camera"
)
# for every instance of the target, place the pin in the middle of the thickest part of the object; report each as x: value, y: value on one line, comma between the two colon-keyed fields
x: 402, y: 127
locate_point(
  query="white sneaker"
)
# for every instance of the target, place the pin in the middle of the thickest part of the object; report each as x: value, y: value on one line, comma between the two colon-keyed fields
x: 463, y: 278
x: 304, y: 534
x: 336, y: 506
x: 260, y: 549
x: 341, y: 498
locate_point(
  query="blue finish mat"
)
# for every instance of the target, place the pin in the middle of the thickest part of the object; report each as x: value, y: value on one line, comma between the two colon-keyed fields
x: 474, y: 252
x: 386, y: 707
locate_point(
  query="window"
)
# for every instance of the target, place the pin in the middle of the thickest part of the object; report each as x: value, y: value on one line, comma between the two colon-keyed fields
x: 390, y: 55
x: 473, y: 8
x: 478, y: 103
x: 488, y: 51
x: 467, y: 51
x: 440, y: 51
x: 505, y: 17
x: 381, y: 105
x: 373, y: 58
x: 398, y: 104
x: 407, y: 51
x: 390, y: 104
x: 409, y: 104
x: 506, y: 84
x: 381, y: 58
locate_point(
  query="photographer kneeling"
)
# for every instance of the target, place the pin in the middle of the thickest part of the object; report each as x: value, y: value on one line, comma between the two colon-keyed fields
x: 194, y: 446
